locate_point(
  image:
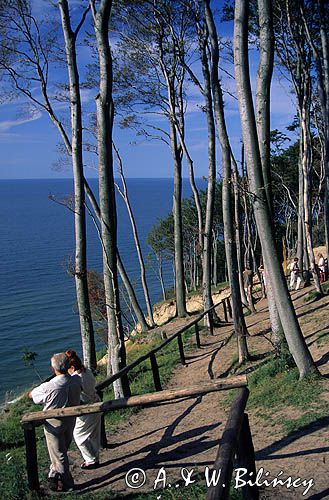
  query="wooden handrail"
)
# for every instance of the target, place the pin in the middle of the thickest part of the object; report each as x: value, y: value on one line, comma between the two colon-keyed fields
x: 145, y: 399
x: 108, y: 381
x: 236, y: 441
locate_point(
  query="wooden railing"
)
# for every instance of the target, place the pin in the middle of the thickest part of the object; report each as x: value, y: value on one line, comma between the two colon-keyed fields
x: 31, y: 420
x: 236, y: 443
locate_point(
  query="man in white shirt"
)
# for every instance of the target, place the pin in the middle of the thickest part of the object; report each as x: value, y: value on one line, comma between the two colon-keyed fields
x: 60, y: 392
x: 295, y: 278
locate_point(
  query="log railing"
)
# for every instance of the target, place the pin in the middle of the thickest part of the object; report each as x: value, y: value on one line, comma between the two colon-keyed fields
x: 31, y: 420
x: 236, y: 447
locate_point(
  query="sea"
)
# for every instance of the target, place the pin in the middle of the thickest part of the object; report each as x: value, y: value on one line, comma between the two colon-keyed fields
x: 37, y: 295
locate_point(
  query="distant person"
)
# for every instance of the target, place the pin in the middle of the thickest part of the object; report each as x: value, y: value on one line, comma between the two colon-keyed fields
x: 60, y: 392
x: 322, y: 268
x: 295, y: 278
x: 87, y: 430
x: 261, y: 270
x: 248, y: 284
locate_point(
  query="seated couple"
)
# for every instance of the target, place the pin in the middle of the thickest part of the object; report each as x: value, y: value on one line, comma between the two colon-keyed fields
x: 72, y: 385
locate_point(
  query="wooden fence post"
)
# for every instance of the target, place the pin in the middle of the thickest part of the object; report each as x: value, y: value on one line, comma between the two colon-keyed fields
x: 103, y: 430
x: 181, y: 349
x: 229, y: 307
x: 197, y: 334
x: 225, y: 311
x: 246, y: 459
x: 155, y: 372
x: 31, y: 456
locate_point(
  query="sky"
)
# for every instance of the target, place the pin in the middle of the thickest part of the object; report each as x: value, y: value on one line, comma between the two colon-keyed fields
x: 29, y: 142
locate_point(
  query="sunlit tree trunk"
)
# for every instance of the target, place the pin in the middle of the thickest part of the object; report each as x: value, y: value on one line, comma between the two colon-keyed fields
x: 229, y: 237
x: 294, y: 336
x: 105, y: 115
x: 80, y: 271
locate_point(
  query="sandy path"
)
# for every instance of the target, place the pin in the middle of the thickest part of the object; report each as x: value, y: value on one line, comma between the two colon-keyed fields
x: 187, y: 433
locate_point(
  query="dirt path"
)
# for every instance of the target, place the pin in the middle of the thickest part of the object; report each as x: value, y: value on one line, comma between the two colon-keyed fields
x: 187, y: 433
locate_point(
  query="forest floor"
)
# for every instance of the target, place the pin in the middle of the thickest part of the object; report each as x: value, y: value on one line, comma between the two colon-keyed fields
x: 287, y: 437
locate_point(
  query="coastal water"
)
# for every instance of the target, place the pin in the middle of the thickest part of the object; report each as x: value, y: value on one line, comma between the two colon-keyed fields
x: 37, y: 296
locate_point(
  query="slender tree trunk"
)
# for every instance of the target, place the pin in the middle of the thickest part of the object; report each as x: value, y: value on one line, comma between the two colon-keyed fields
x: 230, y: 246
x: 125, y: 197
x: 306, y: 166
x: 209, y: 217
x: 237, y: 224
x: 178, y: 229
x: 124, y: 276
x: 264, y: 77
x: 294, y: 336
x: 105, y: 115
x: 81, y: 282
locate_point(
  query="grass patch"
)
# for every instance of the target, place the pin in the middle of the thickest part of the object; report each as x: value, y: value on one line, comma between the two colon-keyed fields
x: 313, y: 295
x: 294, y: 424
x: 270, y: 387
x: 322, y: 338
x: 325, y: 286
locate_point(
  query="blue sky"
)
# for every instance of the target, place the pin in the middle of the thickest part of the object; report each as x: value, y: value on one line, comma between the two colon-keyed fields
x: 29, y: 142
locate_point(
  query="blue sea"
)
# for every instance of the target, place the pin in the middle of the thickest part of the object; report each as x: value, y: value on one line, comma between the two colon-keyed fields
x: 37, y: 296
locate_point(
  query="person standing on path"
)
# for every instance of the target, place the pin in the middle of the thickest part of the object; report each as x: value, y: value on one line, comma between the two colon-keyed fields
x: 248, y: 284
x: 322, y: 268
x: 295, y: 278
x: 60, y: 392
x: 87, y: 430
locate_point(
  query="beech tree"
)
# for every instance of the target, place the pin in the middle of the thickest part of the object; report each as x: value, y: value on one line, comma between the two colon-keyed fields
x: 107, y: 205
x: 292, y: 331
x: 31, y: 54
x: 228, y: 217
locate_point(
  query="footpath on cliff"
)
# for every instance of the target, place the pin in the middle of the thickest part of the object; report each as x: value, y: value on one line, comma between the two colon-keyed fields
x: 186, y: 434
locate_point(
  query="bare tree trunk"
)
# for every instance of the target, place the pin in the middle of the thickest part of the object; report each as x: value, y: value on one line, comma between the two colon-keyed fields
x: 207, y: 241
x: 264, y: 76
x: 237, y: 224
x: 230, y: 246
x: 80, y: 273
x: 124, y: 276
x: 125, y: 197
x: 294, y: 336
x: 105, y: 115
x: 178, y: 229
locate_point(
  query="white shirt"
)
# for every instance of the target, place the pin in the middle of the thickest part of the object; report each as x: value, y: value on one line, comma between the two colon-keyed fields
x: 321, y: 264
x: 60, y: 392
x: 88, y: 382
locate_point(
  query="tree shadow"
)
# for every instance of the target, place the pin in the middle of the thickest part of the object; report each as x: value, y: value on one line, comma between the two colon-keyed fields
x: 154, y: 454
x: 265, y: 453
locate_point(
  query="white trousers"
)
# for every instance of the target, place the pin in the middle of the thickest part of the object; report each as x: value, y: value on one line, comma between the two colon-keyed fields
x: 295, y: 279
x: 87, y: 435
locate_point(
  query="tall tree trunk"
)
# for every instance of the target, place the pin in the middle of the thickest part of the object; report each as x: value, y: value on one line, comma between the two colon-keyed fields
x: 105, y: 115
x: 124, y: 276
x: 237, y: 224
x: 178, y: 228
x: 81, y: 282
x: 125, y: 197
x: 294, y: 336
x: 209, y: 217
x: 263, y: 92
x: 230, y: 247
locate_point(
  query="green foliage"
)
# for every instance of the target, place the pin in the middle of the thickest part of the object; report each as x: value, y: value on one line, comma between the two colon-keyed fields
x: 313, y: 295
x: 296, y: 424
x: 272, y: 388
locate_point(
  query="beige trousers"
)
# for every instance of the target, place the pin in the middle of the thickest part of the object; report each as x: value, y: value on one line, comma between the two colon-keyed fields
x: 59, y: 435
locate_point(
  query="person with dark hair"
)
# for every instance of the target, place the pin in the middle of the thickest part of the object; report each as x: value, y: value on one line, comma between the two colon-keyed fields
x: 87, y: 430
x: 60, y: 392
